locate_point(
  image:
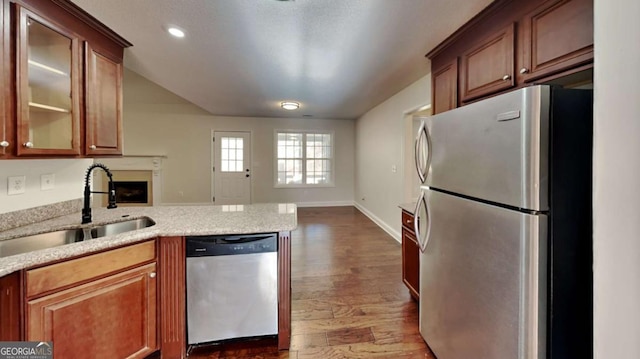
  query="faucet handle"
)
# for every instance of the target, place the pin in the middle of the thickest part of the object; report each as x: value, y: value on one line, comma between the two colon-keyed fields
x: 112, y: 195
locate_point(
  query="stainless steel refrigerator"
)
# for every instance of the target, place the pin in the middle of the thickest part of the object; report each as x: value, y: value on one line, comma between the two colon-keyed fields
x: 504, y: 222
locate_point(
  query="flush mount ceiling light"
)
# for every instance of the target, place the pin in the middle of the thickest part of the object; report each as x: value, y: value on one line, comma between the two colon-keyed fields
x: 175, y: 31
x: 290, y: 105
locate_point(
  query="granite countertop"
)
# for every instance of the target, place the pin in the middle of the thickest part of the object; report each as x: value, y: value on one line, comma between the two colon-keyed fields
x: 409, y: 207
x: 170, y: 221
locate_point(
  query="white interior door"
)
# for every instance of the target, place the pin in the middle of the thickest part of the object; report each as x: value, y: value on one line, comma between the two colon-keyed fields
x: 231, y: 167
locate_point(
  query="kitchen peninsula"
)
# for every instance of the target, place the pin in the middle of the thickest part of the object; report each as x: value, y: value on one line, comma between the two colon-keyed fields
x: 96, y: 288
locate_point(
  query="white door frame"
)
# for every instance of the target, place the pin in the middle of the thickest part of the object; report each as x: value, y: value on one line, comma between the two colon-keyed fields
x: 213, y: 161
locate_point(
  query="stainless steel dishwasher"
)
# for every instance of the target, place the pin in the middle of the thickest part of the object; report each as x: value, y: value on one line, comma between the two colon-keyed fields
x: 232, y: 287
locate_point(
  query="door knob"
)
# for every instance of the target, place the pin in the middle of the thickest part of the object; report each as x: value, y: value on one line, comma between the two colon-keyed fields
x: 92, y: 147
x: 28, y: 144
x: 4, y: 144
x: 247, y: 175
x: 506, y: 77
x: 524, y: 70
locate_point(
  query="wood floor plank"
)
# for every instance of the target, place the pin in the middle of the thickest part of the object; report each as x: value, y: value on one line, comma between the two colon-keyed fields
x: 348, y: 299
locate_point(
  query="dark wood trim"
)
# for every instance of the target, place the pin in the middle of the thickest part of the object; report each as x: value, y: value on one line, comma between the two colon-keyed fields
x: 172, y: 297
x: 284, y: 290
x: 85, y: 17
x: 480, y: 17
x: 10, y: 308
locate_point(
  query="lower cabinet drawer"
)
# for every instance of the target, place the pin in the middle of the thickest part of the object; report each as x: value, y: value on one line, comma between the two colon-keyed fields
x: 79, y: 270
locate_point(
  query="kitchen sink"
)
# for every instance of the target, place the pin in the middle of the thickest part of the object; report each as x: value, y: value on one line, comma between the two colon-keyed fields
x: 36, y: 242
x: 121, y: 227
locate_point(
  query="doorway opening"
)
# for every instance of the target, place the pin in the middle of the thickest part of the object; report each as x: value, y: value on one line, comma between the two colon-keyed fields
x: 231, y: 180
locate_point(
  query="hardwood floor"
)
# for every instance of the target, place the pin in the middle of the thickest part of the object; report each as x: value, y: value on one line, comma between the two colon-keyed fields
x: 348, y: 299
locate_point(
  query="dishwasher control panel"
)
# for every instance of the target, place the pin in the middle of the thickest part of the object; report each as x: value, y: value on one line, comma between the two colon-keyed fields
x: 199, y: 246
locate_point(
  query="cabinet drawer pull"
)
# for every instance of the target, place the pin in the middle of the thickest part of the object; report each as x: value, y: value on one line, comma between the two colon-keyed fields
x: 152, y: 274
x: 506, y: 77
x: 93, y: 147
x: 524, y: 70
x: 4, y: 144
x: 28, y: 144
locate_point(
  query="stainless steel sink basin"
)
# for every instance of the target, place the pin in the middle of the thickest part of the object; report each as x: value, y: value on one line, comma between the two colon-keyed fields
x: 121, y: 227
x: 54, y: 239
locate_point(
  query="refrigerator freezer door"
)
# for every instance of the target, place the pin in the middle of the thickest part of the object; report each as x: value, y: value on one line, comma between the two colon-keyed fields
x: 483, y: 280
x: 495, y: 149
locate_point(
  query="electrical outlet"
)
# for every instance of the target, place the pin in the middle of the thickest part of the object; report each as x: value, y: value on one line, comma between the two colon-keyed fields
x: 16, y: 185
x: 47, y: 182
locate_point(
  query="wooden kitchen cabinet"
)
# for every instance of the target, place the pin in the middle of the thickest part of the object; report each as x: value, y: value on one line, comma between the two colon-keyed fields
x: 47, y: 86
x: 103, y: 305
x: 6, y: 140
x: 63, y: 82
x: 103, y: 95
x: 410, y: 256
x: 487, y: 67
x: 10, y: 314
x: 512, y: 44
x: 556, y: 36
x: 445, y: 85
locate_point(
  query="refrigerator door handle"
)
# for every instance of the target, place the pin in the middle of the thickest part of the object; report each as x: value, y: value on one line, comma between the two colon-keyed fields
x: 422, y: 242
x: 419, y: 153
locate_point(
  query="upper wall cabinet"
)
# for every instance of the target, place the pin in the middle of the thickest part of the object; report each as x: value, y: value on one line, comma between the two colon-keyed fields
x: 5, y: 138
x: 103, y: 94
x: 512, y: 44
x: 556, y: 36
x: 48, y: 87
x: 66, y: 73
x: 488, y: 67
x: 445, y: 87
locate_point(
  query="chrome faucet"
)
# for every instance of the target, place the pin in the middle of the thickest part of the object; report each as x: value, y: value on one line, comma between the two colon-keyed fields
x: 86, y: 210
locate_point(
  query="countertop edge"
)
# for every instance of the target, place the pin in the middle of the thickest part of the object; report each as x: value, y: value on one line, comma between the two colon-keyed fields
x: 264, y: 223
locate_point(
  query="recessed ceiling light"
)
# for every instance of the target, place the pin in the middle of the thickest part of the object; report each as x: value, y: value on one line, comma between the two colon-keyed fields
x: 175, y: 31
x: 289, y: 105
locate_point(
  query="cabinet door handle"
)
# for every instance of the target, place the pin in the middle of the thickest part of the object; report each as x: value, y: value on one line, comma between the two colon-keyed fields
x: 93, y: 147
x: 152, y: 274
x: 524, y: 70
x: 28, y: 144
x: 4, y: 144
x: 506, y: 77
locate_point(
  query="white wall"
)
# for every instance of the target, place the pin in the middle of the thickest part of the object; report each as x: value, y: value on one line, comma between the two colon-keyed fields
x: 157, y: 122
x: 380, y: 143
x: 69, y: 182
x: 617, y: 180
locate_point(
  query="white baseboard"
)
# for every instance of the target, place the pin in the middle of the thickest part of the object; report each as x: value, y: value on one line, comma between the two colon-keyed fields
x: 392, y: 232
x: 299, y: 204
x: 325, y: 204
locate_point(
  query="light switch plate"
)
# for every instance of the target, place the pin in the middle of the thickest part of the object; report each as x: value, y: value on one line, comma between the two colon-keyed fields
x: 16, y: 185
x: 47, y: 182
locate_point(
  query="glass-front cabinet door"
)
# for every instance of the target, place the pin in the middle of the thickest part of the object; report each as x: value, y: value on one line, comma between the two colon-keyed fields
x: 5, y: 140
x: 48, y: 87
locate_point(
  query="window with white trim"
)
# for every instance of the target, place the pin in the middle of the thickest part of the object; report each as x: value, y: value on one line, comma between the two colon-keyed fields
x: 304, y: 159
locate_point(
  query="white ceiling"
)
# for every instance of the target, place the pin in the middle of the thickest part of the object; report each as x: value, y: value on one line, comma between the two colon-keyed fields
x: 338, y: 58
